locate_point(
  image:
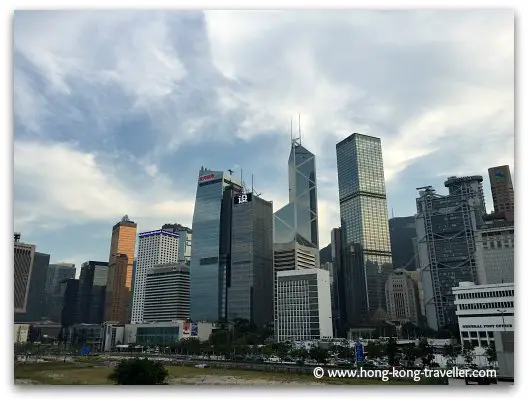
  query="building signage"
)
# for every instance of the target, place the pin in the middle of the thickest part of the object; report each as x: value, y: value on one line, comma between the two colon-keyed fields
x: 194, y: 329
x: 186, y: 329
x: 206, y: 177
x: 486, y: 326
x: 243, y: 198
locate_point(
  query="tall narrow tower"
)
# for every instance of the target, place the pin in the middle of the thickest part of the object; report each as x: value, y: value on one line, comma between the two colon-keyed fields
x: 120, y: 268
x: 364, y: 226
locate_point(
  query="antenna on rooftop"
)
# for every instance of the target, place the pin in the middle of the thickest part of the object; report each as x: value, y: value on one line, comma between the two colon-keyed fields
x: 300, y: 137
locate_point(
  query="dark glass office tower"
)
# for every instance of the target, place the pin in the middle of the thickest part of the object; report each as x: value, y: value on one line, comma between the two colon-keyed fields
x: 250, y: 291
x: 92, y: 290
x: 70, y: 303
x: 55, y: 288
x: 402, y: 232
x: 298, y: 219
x: 364, y: 221
x: 210, y: 256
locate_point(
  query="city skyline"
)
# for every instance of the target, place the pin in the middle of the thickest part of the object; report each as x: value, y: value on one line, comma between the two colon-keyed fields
x: 97, y: 140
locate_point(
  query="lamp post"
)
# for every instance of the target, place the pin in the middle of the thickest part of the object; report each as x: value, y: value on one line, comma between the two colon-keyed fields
x: 502, y: 341
x: 502, y: 315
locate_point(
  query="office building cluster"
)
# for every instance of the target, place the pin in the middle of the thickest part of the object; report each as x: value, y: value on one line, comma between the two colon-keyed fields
x: 249, y: 262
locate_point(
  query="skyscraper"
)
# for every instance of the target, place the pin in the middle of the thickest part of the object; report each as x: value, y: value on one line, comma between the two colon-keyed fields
x: 166, y: 293
x: 23, y: 257
x: 70, y: 304
x: 92, y: 291
x: 364, y: 225
x: 184, y: 243
x: 211, y: 251
x: 502, y: 190
x: 120, y: 268
x: 445, y: 229
x: 338, y: 307
x: 296, y: 254
x: 155, y: 247
x: 297, y: 221
x: 37, y: 291
x: 402, y: 232
x: 58, y: 273
x: 250, y: 287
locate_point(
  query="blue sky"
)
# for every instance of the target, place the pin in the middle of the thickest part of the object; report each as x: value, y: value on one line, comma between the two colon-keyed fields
x: 115, y: 112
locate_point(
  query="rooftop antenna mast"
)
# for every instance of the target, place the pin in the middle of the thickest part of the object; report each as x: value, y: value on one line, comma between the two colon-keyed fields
x: 253, y: 189
x: 291, y: 129
x: 296, y: 141
x: 300, y: 129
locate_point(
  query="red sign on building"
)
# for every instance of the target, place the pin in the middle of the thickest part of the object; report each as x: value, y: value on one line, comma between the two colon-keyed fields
x: 207, y: 177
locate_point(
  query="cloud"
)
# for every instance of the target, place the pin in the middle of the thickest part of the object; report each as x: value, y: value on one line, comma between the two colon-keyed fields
x: 130, y: 104
x: 57, y: 185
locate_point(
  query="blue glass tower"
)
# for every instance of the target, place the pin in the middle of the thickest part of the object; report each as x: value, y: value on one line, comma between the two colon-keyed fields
x: 297, y: 221
x: 210, y: 256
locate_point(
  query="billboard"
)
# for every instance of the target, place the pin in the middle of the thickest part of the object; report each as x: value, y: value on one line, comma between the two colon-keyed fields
x: 243, y: 198
x: 190, y: 330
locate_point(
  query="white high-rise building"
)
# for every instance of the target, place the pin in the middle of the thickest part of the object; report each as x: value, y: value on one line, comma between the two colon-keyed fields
x: 167, y: 293
x: 155, y: 247
x: 303, y: 305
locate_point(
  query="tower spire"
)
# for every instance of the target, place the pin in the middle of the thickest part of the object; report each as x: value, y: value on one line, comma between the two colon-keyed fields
x: 300, y: 129
x: 291, y: 129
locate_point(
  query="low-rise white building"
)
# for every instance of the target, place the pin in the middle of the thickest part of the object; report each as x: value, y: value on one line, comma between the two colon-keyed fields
x: 166, y: 333
x: 303, y: 305
x: 486, y: 315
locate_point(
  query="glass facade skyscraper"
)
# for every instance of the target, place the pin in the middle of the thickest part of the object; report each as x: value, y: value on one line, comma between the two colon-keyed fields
x: 92, y: 291
x: 364, y: 221
x: 250, y: 292
x: 210, y: 256
x: 298, y: 219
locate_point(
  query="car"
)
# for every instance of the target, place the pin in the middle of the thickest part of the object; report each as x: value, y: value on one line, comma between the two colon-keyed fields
x: 480, y: 380
x: 201, y: 366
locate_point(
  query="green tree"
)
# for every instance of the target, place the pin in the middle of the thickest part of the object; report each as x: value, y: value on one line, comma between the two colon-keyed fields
x: 391, y: 350
x: 267, y: 350
x: 319, y: 354
x: 281, y: 350
x: 469, y: 353
x: 300, y: 355
x: 410, y: 352
x: 450, y: 353
x: 425, y: 352
x: 139, y: 372
x: 375, y: 350
x: 491, y: 354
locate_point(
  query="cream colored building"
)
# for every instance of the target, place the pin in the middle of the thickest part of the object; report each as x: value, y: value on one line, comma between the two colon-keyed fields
x: 401, y: 293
